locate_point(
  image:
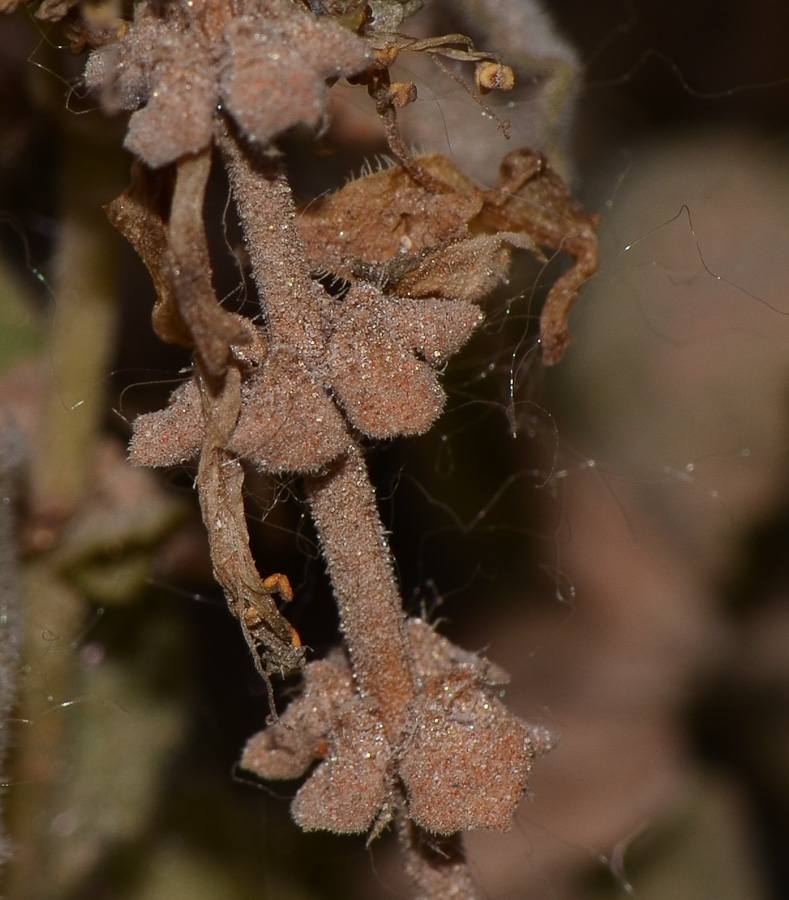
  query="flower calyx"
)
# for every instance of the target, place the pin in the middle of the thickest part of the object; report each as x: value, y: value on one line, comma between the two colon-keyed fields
x: 453, y: 239
x: 179, y: 64
x: 376, y: 373
x: 462, y: 761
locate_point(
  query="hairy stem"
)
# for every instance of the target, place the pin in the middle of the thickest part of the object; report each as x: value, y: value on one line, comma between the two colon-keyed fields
x: 268, y: 216
x: 357, y: 556
x: 436, y: 863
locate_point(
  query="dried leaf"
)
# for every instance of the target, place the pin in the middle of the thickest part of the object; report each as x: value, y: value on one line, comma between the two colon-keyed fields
x: 436, y: 656
x: 178, y: 114
x: 387, y: 216
x: 55, y: 10
x: 122, y: 72
x: 435, y: 329
x: 468, y: 269
x: 287, y: 749
x: 467, y: 762
x: 212, y: 328
x: 464, y: 759
x: 140, y: 214
x: 182, y: 63
x: 533, y: 200
x: 9, y: 6
x: 220, y: 481
x: 453, y: 240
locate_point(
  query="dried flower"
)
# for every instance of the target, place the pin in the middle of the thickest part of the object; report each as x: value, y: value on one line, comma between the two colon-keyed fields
x: 454, y: 240
x: 378, y: 366
x: 180, y: 63
x: 463, y: 759
x: 400, y: 723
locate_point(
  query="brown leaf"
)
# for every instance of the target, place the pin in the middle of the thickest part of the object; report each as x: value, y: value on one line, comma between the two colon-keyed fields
x: 177, y: 117
x: 55, y: 10
x: 533, y: 200
x: 435, y: 329
x: 387, y: 216
x: 275, y: 645
x: 468, y: 760
x: 212, y: 328
x: 467, y: 269
x: 179, y: 63
x: 436, y: 656
x: 286, y: 749
x: 140, y: 214
x: 122, y: 72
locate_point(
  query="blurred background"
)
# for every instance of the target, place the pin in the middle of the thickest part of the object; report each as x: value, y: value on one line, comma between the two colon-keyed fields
x: 613, y: 531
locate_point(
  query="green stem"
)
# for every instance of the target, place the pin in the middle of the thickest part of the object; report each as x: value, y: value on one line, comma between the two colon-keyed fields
x: 83, y: 330
x: 83, y: 336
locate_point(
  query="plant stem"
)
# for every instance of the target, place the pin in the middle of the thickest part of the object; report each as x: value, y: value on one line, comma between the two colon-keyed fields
x: 357, y: 556
x: 210, y: 327
x: 84, y: 327
x: 343, y: 502
x: 436, y: 863
x: 268, y: 216
x: 63, y: 456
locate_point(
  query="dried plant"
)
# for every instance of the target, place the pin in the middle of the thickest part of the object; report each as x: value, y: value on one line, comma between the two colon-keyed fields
x: 399, y: 724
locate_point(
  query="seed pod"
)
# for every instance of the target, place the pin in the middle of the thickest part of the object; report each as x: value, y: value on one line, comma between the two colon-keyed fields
x: 494, y: 76
x: 401, y: 93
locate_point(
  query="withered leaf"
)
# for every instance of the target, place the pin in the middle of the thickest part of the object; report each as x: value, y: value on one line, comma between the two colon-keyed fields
x: 433, y: 328
x: 220, y: 482
x: 55, y: 10
x: 387, y: 215
x: 453, y: 239
x: 140, y: 214
x: 177, y: 117
x: 463, y: 758
x: 533, y: 199
x: 348, y: 790
x: 287, y: 748
x: 467, y: 762
x: 467, y: 269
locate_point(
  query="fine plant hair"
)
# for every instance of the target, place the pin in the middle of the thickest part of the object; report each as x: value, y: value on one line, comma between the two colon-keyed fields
x: 398, y: 725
